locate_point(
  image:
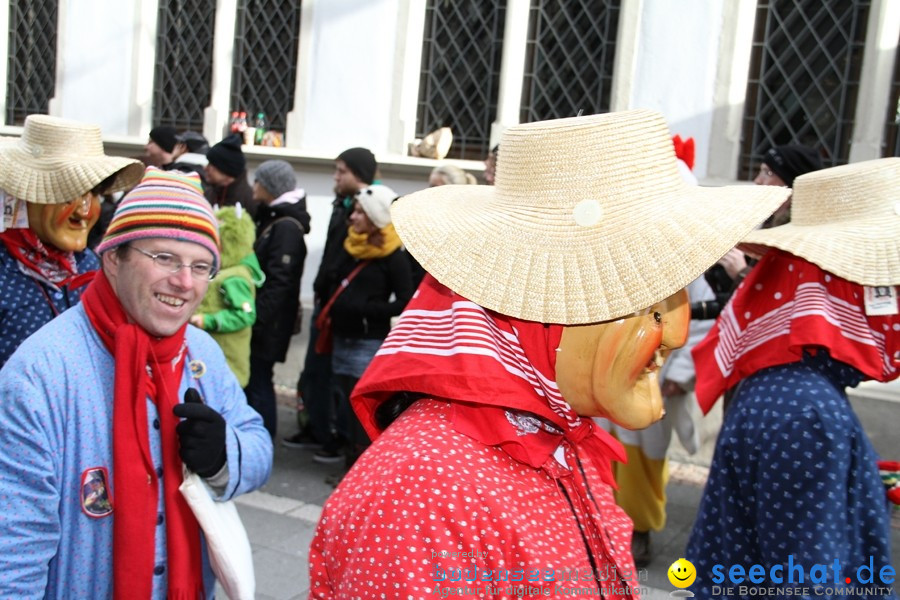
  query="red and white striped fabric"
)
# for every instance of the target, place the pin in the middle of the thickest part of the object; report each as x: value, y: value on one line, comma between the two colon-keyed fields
x: 787, y: 304
x: 498, y: 371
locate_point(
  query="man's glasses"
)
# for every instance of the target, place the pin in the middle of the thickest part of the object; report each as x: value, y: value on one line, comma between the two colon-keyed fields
x: 172, y: 264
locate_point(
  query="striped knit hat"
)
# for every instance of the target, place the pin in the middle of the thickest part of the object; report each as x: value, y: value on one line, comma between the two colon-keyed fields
x: 165, y: 204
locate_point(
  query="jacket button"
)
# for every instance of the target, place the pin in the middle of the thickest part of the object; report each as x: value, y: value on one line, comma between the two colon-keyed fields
x: 159, y: 519
x: 159, y: 471
x: 159, y: 569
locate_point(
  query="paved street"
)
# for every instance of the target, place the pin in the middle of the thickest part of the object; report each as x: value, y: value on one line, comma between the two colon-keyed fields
x: 281, y: 517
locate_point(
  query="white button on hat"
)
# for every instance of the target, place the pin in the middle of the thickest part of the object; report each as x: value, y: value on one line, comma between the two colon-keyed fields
x: 587, y: 213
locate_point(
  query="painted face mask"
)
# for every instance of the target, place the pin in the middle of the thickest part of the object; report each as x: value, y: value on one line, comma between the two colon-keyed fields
x: 65, y: 226
x: 611, y: 369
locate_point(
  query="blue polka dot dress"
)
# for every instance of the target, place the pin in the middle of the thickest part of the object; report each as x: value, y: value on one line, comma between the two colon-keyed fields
x: 27, y: 304
x: 793, y: 481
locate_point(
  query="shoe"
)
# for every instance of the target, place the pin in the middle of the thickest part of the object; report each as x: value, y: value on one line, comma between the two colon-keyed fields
x: 328, y: 456
x: 640, y: 549
x: 302, y: 440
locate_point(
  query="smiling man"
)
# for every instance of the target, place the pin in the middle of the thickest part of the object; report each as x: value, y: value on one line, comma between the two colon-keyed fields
x: 93, y: 434
x: 51, y: 180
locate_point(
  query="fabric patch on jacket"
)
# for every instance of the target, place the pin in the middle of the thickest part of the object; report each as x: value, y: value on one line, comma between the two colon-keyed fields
x: 96, y: 501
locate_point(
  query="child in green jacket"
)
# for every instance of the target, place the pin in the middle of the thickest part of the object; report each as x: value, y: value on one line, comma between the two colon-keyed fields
x: 228, y: 309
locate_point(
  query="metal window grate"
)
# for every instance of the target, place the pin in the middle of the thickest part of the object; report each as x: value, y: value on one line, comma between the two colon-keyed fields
x: 460, y: 76
x: 891, y: 145
x: 570, y: 54
x: 265, y: 59
x: 183, y: 63
x: 31, y: 77
x: 804, y: 78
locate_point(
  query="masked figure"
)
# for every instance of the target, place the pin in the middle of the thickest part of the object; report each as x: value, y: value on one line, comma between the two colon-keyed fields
x: 794, y: 481
x: 51, y: 180
x: 553, y: 297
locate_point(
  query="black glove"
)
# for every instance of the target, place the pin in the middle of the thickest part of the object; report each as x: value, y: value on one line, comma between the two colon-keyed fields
x: 202, y: 435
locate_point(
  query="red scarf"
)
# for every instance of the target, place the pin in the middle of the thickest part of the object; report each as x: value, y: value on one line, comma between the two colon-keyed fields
x: 497, y: 370
x: 48, y: 263
x: 787, y: 304
x: 135, y: 482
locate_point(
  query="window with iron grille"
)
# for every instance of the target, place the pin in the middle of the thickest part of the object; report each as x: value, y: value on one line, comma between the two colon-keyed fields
x: 804, y: 78
x: 460, y: 77
x: 569, y: 64
x: 891, y: 146
x: 184, y: 48
x: 265, y: 59
x: 31, y: 76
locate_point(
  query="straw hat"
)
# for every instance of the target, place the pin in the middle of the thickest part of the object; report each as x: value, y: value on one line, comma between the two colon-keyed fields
x: 589, y: 220
x: 844, y: 219
x: 57, y: 160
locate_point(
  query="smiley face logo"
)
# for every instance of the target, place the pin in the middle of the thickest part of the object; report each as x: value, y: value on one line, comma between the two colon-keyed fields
x: 682, y: 573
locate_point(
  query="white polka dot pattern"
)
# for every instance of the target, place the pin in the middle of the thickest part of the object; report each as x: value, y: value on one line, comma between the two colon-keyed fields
x: 793, y: 475
x: 426, y: 501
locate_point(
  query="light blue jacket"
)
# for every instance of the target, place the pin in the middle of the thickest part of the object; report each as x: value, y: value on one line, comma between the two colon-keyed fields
x: 56, y: 415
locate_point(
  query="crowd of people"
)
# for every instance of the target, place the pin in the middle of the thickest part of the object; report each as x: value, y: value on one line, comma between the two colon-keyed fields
x: 489, y: 363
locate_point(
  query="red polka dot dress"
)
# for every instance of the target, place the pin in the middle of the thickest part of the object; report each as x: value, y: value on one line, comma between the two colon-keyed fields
x: 502, y: 495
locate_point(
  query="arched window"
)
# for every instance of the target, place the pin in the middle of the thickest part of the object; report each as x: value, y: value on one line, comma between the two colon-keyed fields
x: 804, y: 78
x: 31, y: 78
x: 569, y: 62
x: 265, y: 59
x: 460, y: 74
x: 184, y: 33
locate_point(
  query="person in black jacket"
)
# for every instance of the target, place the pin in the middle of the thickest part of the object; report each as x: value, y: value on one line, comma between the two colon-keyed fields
x: 281, y: 222
x: 226, y: 176
x: 370, y: 283
x: 354, y: 169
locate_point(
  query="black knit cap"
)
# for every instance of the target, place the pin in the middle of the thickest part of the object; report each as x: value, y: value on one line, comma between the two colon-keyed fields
x: 227, y: 156
x: 790, y: 162
x: 164, y: 136
x: 361, y: 163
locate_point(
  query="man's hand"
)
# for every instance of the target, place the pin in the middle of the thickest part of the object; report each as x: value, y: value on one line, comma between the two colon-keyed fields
x: 202, y: 435
x: 734, y: 262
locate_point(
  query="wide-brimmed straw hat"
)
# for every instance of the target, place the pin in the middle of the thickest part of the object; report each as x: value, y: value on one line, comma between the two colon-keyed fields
x: 845, y: 220
x: 57, y: 160
x: 588, y: 220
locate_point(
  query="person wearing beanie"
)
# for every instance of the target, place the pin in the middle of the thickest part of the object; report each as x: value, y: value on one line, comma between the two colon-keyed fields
x: 143, y: 396
x: 281, y: 222
x: 51, y: 184
x: 226, y: 175
x: 189, y: 155
x: 160, y: 146
x: 369, y: 284
x: 354, y: 169
x: 780, y: 166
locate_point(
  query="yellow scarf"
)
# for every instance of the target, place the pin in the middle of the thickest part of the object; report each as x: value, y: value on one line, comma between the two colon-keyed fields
x: 358, y: 246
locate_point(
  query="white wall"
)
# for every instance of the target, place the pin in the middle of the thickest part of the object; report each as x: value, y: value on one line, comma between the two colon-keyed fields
x: 94, y: 63
x: 675, y: 66
x: 350, y: 83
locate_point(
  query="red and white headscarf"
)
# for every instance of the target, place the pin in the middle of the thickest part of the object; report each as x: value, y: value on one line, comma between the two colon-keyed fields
x: 499, y: 372
x: 787, y: 304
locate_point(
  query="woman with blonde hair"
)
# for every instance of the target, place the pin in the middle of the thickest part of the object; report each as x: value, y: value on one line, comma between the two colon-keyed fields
x: 450, y: 175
